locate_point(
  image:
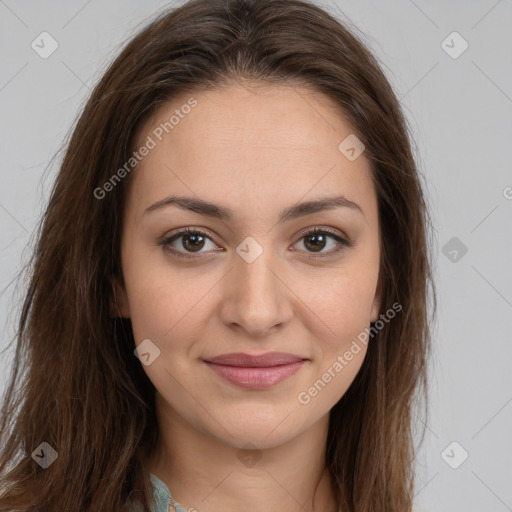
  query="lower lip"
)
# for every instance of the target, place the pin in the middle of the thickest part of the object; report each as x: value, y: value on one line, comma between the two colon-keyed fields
x: 256, y: 378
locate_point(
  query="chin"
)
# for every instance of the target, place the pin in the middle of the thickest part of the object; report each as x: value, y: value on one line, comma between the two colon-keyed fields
x: 265, y: 430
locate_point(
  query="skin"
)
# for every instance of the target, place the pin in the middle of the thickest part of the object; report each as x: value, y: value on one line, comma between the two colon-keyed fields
x: 255, y: 149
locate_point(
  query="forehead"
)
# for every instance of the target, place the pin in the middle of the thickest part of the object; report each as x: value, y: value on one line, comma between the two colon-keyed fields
x: 254, y: 142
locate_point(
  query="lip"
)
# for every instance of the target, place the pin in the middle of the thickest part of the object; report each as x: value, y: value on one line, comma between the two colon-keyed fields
x: 255, y: 371
x: 255, y: 361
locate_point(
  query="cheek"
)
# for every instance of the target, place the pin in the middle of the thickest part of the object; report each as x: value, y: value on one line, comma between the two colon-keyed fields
x: 344, y: 307
x: 165, y: 304
x: 342, y: 301
x: 158, y: 307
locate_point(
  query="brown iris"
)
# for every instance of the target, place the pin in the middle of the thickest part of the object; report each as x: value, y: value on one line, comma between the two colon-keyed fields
x: 193, y: 243
x: 317, y: 245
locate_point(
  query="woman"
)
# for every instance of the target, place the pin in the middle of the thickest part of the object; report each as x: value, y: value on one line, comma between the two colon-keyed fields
x: 228, y: 299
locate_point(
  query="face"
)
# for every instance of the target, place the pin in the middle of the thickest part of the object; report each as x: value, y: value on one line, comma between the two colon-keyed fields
x: 251, y: 276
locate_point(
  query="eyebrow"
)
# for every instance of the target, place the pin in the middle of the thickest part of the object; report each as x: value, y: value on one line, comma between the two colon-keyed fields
x: 209, y: 209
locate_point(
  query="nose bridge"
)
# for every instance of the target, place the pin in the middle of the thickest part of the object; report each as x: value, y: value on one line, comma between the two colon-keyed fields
x: 255, y: 298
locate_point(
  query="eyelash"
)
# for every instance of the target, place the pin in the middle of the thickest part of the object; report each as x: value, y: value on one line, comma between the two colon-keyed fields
x: 342, y: 243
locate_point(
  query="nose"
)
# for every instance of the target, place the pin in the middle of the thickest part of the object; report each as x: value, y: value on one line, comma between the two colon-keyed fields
x: 255, y: 297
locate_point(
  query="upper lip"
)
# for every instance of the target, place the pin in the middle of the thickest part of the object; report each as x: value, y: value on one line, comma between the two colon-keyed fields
x: 255, y: 361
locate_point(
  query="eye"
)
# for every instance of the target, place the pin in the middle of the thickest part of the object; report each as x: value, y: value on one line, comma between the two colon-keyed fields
x: 193, y: 240
x: 317, y: 239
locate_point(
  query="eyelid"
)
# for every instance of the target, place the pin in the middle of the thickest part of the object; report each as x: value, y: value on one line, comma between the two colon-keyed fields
x: 324, y: 229
x: 176, y: 233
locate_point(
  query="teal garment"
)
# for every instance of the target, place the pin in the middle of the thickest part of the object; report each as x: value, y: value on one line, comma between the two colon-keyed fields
x: 161, y: 497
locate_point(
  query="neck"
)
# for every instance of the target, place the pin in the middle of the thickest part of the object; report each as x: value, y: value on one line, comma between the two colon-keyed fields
x: 208, y: 475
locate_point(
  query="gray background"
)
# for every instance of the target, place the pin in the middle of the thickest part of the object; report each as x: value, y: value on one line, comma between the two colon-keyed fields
x: 460, y: 112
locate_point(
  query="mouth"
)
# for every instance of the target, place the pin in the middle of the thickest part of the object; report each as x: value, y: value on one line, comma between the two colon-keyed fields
x: 255, y: 371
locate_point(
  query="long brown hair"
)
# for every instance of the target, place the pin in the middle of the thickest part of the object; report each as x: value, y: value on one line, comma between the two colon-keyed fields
x: 75, y: 381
